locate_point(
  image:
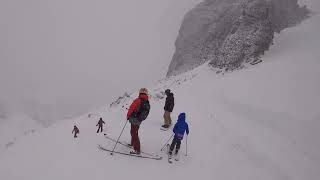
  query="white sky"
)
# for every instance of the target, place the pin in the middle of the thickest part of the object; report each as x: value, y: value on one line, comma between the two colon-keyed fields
x: 69, y: 56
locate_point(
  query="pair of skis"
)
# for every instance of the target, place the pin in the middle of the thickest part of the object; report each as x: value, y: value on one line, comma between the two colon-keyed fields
x: 142, y: 155
x: 128, y: 154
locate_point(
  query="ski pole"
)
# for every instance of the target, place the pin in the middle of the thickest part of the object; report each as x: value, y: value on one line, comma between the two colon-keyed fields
x: 187, y: 146
x: 166, y: 143
x: 119, y: 137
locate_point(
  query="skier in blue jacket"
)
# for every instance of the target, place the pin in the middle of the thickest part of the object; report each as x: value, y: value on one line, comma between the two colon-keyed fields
x: 179, y: 129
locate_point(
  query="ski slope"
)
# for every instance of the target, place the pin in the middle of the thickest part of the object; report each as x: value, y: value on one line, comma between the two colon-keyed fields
x: 258, y: 123
x: 12, y: 127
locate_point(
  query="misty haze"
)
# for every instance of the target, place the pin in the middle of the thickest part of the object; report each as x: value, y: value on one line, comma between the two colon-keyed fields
x: 63, y: 58
x: 159, y: 89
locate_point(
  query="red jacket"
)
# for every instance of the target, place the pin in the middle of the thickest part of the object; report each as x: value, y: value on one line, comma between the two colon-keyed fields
x: 136, y: 103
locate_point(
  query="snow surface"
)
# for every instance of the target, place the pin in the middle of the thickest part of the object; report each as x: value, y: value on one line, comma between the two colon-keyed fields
x: 15, y: 126
x: 258, y: 123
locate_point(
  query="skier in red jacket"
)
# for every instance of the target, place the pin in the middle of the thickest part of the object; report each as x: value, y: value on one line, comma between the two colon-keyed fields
x: 100, y: 124
x: 138, y: 111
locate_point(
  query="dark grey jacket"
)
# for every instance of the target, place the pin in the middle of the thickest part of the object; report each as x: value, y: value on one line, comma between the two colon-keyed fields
x: 169, y: 102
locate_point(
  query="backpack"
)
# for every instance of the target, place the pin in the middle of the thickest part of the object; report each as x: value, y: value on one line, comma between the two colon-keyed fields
x: 143, y: 110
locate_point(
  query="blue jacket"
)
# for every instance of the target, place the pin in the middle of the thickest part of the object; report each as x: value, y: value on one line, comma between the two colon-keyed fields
x: 180, y: 127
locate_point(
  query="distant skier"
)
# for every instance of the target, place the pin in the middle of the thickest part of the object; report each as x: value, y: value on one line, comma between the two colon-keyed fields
x: 75, y: 131
x: 138, y: 111
x: 100, y: 124
x: 179, y: 129
x: 168, y: 108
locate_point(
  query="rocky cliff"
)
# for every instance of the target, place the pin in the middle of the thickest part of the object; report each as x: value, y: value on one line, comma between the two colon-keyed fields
x: 228, y: 33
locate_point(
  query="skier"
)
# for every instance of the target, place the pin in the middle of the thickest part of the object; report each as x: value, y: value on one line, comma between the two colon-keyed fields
x: 100, y: 124
x: 75, y: 131
x: 179, y: 129
x: 138, y: 111
x: 168, y: 108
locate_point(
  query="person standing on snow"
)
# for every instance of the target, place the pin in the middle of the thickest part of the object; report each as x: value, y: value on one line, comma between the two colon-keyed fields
x: 100, y: 124
x: 75, y: 131
x: 179, y: 129
x: 138, y: 111
x: 168, y: 108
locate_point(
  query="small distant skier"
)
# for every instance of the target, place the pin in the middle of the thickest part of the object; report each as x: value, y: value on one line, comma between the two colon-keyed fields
x: 179, y: 129
x: 138, y: 111
x: 75, y: 131
x: 100, y: 124
x: 168, y: 108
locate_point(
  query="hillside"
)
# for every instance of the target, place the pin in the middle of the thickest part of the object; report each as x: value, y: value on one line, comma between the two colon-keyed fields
x: 258, y: 123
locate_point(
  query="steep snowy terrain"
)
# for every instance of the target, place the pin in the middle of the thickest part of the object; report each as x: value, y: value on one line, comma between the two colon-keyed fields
x: 259, y: 123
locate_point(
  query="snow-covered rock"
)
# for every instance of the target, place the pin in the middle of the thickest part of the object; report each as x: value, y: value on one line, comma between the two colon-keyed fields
x: 230, y: 32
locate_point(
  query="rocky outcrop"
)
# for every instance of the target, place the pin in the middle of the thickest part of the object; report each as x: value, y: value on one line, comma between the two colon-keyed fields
x: 228, y: 33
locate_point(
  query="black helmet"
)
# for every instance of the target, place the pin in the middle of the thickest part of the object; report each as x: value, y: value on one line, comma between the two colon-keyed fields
x: 167, y: 91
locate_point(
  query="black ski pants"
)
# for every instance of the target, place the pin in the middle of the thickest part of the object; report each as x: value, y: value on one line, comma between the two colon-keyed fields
x: 175, y: 143
x: 100, y: 128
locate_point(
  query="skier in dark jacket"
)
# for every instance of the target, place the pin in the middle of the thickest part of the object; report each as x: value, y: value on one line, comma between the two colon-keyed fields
x: 100, y: 124
x: 75, y: 131
x: 168, y: 108
x: 179, y: 129
x: 134, y: 120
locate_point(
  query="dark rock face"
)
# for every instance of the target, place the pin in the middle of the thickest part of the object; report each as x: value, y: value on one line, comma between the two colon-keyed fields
x: 228, y: 33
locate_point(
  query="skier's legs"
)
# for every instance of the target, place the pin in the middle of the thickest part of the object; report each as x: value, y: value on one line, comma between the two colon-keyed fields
x: 138, y: 141
x: 99, y: 129
x: 167, y: 118
x: 178, y: 146
x: 173, y: 144
x: 132, y: 135
x: 135, y: 141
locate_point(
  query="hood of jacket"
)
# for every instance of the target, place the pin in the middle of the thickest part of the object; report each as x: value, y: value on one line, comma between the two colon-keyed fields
x: 182, y: 118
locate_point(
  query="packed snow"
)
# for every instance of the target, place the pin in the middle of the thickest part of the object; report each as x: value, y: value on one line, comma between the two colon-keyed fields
x: 258, y: 123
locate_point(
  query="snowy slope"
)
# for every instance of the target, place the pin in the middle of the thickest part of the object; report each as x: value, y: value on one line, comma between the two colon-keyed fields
x: 258, y: 123
x: 13, y: 127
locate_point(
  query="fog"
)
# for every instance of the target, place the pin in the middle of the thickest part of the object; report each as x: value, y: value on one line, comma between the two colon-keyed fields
x: 62, y: 58
x: 314, y: 5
